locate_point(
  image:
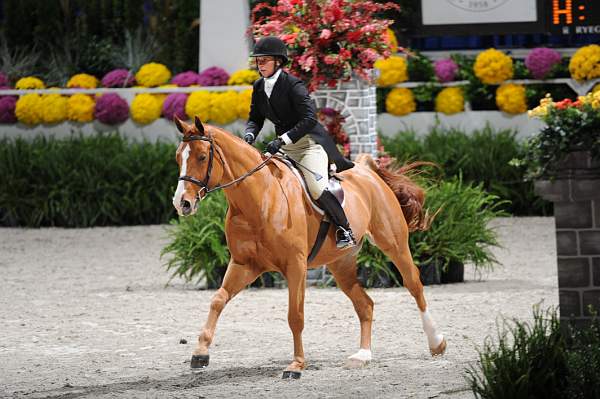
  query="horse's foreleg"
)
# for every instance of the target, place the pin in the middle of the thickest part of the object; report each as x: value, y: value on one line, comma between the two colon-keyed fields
x: 344, y: 272
x: 236, y: 278
x: 296, y: 285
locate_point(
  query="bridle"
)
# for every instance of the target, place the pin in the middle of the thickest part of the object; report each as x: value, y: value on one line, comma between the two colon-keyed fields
x: 204, y: 184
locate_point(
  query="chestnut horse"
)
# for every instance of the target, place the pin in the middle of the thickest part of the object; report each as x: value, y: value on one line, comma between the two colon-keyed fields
x: 271, y: 226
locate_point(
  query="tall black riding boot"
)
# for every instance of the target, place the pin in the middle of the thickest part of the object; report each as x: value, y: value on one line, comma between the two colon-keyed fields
x: 343, y: 234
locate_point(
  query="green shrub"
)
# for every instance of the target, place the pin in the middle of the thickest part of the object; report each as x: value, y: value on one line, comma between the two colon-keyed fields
x: 543, y: 360
x: 460, y: 232
x: 85, y: 181
x: 482, y: 157
x: 198, y: 248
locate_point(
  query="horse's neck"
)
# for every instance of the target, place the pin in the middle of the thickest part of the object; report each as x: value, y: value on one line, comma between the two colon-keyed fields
x: 239, y: 160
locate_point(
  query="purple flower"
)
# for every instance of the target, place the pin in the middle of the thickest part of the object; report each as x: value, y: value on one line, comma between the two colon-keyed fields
x: 445, y: 70
x: 541, y: 60
x: 3, y: 80
x: 213, y: 76
x: 7, y: 109
x: 118, y: 78
x: 111, y: 109
x: 185, y: 79
x: 174, y: 105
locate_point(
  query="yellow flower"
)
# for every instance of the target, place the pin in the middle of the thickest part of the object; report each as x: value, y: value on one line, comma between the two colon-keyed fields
x: 199, y: 104
x: 145, y: 108
x: 29, y: 83
x: 243, y: 106
x: 511, y: 98
x: 152, y: 75
x: 224, y: 107
x: 53, y: 108
x: 450, y: 101
x: 400, y: 101
x: 28, y: 109
x: 243, y: 77
x: 80, y: 108
x: 585, y: 63
x: 545, y: 104
x: 493, y: 67
x: 392, y: 70
x: 83, y: 81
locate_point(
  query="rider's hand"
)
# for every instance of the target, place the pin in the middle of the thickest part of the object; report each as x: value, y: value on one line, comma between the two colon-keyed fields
x: 274, y: 146
x: 249, y: 138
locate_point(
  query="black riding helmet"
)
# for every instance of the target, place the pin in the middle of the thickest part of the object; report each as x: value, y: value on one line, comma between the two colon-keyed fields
x: 270, y: 45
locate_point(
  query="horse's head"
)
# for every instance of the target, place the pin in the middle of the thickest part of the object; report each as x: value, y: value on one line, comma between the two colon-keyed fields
x: 198, y: 169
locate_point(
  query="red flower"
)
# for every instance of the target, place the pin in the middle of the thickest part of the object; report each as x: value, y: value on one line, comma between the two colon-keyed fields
x: 354, y: 36
x: 564, y: 104
x: 289, y: 39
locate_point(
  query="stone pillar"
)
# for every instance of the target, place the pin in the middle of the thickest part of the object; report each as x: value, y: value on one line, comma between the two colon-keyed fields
x: 576, y: 197
x: 357, y: 102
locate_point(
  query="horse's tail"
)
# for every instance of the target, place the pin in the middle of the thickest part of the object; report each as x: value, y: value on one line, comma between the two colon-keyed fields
x: 410, y: 195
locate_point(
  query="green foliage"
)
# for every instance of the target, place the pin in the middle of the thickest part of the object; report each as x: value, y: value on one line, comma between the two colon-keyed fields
x: 460, y: 231
x: 376, y: 266
x: 482, y: 156
x: 198, y: 248
x: 568, y: 128
x: 85, y: 181
x: 479, y: 95
x: 542, y: 360
x: 420, y: 68
x: 97, y: 26
x: 17, y: 63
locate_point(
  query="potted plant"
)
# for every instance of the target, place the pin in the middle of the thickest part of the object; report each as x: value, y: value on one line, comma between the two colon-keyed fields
x: 460, y: 232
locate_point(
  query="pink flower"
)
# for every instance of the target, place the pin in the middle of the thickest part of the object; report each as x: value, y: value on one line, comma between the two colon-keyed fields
x: 7, y: 109
x: 330, y: 59
x: 111, y: 109
x: 213, y: 76
x: 541, y: 60
x: 325, y: 34
x: 289, y: 38
x: 445, y: 70
x: 118, y: 78
x: 185, y: 79
x: 174, y: 105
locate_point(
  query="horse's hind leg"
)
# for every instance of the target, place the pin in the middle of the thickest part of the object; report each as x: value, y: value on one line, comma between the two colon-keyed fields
x: 236, y: 278
x: 344, y: 272
x: 392, y: 239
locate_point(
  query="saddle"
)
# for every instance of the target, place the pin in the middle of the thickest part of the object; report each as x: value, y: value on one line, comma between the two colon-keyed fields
x: 333, y: 184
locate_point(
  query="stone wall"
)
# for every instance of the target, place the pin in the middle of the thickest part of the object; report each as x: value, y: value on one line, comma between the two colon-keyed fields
x: 576, y: 197
x: 357, y: 102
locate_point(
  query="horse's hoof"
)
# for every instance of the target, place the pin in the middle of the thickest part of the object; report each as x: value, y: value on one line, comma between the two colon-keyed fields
x: 440, y: 349
x: 353, y: 363
x: 199, y: 361
x: 291, y: 375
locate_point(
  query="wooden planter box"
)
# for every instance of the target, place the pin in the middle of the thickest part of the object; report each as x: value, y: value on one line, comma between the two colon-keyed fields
x: 575, y: 194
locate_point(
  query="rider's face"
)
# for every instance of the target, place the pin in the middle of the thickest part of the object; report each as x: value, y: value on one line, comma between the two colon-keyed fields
x: 266, y: 65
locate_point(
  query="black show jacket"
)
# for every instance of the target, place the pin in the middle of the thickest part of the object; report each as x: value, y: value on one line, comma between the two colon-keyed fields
x: 292, y: 111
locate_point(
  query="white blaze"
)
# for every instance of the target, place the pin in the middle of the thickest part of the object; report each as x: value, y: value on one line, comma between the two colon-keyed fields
x: 181, y: 184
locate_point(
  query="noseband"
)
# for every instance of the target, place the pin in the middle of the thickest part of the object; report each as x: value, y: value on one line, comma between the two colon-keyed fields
x: 204, y: 184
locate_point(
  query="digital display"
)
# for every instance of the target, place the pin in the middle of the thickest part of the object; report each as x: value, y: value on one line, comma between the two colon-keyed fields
x: 575, y: 16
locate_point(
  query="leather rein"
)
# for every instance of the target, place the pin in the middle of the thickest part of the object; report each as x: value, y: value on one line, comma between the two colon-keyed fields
x: 204, y: 184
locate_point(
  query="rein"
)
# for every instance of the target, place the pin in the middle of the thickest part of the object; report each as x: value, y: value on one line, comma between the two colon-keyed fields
x: 204, y: 184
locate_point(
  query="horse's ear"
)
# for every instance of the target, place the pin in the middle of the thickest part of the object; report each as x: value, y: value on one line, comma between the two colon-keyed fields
x: 178, y: 124
x: 199, y: 125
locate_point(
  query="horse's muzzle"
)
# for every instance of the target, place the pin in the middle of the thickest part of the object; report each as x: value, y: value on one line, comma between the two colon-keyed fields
x: 186, y: 207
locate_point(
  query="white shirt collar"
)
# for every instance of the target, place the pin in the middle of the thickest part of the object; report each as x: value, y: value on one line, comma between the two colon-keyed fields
x: 270, y: 82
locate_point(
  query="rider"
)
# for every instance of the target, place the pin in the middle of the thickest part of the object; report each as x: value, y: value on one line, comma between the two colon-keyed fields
x: 284, y: 100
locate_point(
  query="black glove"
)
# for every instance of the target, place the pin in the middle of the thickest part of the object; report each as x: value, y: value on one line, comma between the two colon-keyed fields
x: 274, y: 146
x: 249, y: 138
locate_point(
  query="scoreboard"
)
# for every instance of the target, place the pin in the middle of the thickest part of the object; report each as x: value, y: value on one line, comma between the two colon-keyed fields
x: 574, y: 16
x: 467, y: 17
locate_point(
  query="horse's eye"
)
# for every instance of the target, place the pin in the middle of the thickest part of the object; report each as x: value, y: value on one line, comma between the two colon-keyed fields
x: 201, y: 157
